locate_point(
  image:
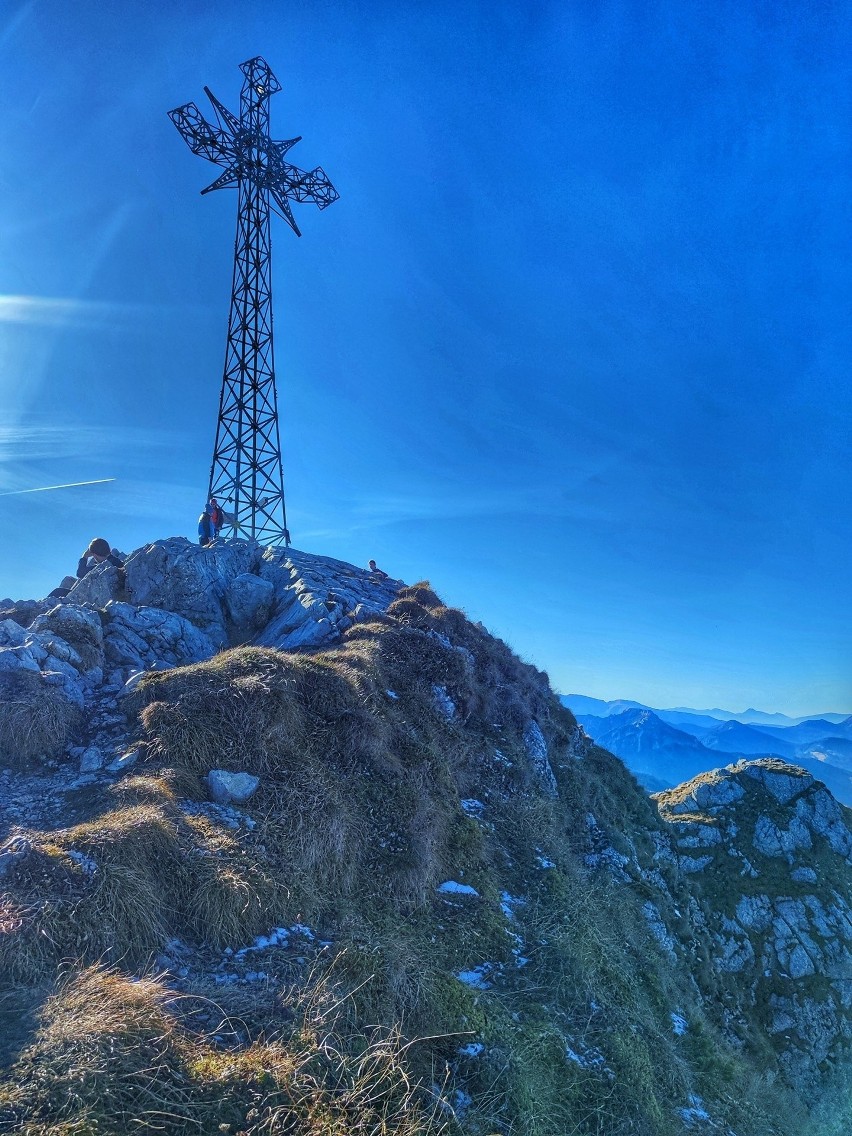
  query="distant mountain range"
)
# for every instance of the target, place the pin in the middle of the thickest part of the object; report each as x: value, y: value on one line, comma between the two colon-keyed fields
x: 583, y: 704
x: 666, y: 747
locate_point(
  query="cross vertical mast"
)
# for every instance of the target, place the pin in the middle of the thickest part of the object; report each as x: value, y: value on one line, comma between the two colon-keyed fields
x: 246, y: 474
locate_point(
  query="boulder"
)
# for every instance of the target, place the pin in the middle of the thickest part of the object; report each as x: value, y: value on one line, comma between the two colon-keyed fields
x: 11, y: 634
x: 92, y: 760
x: 231, y: 788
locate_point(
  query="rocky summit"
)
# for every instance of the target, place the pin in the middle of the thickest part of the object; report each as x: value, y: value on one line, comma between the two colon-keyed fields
x: 288, y: 848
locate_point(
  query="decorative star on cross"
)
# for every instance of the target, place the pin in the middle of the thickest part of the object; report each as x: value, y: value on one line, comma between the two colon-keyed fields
x: 243, y: 146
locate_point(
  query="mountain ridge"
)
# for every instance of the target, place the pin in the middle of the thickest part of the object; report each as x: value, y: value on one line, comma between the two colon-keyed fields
x: 328, y: 857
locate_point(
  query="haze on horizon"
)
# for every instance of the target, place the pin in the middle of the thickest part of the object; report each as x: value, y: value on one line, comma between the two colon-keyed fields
x: 574, y: 344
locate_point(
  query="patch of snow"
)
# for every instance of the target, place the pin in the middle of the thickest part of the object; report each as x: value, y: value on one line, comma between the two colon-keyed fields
x: 472, y: 808
x: 473, y: 1049
x: 543, y: 861
x: 695, y: 1112
x: 508, y: 903
x: 452, y: 887
x: 392, y: 694
x: 588, y: 1057
x: 277, y: 937
x: 679, y: 1024
x: 477, y: 977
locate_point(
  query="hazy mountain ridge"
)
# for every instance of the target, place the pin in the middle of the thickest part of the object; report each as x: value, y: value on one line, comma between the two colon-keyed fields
x: 655, y: 748
x: 602, y: 708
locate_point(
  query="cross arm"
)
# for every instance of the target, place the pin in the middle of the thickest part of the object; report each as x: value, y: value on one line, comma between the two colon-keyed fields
x: 311, y: 186
x: 202, y: 138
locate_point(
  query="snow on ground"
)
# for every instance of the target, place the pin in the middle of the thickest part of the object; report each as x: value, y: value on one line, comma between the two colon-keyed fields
x: 452, y: 887
x: 477, y: 977
x: 679, y: 1024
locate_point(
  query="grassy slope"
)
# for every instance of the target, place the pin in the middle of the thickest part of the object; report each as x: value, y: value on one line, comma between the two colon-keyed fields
x: 357, y: 821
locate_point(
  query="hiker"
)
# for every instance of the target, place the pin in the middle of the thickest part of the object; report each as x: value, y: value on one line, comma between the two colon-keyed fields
x: 97, y: 552
x: 377, y: 573
x: 206, y: 532
x: 217, y: 516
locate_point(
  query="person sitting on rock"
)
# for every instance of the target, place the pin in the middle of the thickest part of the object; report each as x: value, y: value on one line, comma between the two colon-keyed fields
x: 206, y: 532
x: 97, y: 552
x: 377, y: 573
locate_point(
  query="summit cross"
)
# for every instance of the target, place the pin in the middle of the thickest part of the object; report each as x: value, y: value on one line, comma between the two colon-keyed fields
x: 246, y: 475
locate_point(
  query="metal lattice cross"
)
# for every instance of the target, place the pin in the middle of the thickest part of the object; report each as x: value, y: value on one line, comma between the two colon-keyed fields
x: 246, y: 471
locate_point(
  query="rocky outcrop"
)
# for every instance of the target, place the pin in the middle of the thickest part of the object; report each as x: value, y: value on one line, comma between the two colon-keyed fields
x: 175, y: 603
x: 767, y: 850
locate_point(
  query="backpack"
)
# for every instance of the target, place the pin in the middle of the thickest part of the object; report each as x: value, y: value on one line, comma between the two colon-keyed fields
x: 217, y: 517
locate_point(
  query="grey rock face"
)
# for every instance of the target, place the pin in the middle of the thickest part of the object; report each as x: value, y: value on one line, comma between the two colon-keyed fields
x: 824, y: 816
x: 17, y: 659
x: 177, y: 576
x: 798, y: 941
x: 781, y: 780
x: 76, y: 626
x: 536, y: 747
x: 11, y: 634
x: 714, y: 791
x: 248, y: 600
x: 774, y: 841
x: 231, y: 788
x: 98, y: 587
x: 658, y: 929
x: 143, y: 637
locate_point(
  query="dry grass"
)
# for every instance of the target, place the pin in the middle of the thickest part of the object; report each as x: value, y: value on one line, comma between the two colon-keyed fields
x: 114, y: 1055
x: 148, y: 873
x: 35, y: 719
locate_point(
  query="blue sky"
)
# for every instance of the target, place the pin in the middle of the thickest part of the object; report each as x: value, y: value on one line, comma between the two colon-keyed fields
x: 574, y: 344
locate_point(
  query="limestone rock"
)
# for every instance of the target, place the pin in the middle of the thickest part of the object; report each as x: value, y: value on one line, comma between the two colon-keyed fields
x: 143, y: 637
x: 800, y: 944
x: 73, y: 633
x: 17, y: 659
x: 92, y: 760
x: 18, y: 848
x: 100, y: 585
x: 175, y: 575
x: 443, y: 703
x: 249, y: 600
x: 231, y: 788
x: 536, y: 747
x: 11, y: 633
x: 783, y: 781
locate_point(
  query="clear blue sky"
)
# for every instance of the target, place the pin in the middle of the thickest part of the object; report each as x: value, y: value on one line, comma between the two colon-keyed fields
x: 574, y: 343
